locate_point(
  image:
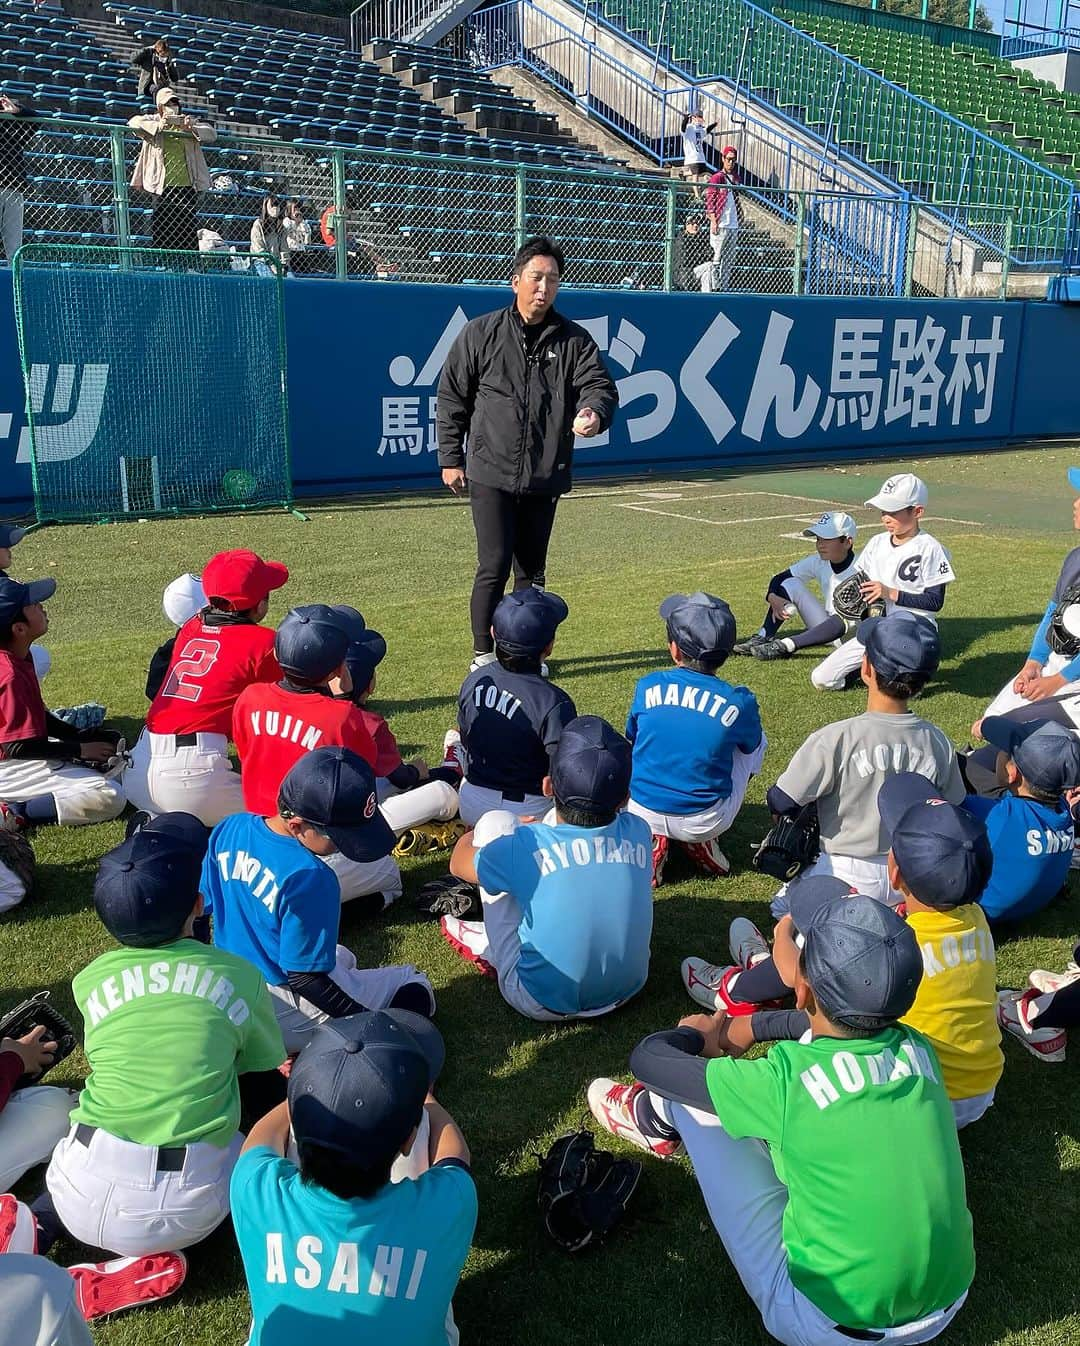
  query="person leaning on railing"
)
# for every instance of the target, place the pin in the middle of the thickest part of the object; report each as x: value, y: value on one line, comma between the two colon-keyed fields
x: 171, y: 168
x: 157, y: 68
x: 16, y: 128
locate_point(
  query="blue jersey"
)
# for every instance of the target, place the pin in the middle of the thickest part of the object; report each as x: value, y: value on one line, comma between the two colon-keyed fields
x: 1033, y: 849
x: 348, y: 1273
x: 273, y: 902
x: 585, y: 895
x: 685, y: 728
x: 510, y: 725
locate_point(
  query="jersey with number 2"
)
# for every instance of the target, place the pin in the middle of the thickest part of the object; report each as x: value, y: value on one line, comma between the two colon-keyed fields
x: 210, y: 666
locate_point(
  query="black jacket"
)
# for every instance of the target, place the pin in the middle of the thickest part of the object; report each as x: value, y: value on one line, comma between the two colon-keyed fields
x: 516, y: 407
x: 16, y: 130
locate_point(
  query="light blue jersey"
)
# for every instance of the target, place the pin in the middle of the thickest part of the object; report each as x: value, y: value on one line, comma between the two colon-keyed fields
x: 379, y: 1271
x: 585, y: 895
x: 273, y: 902
x: 685, y: 728
x: 1033, y: 849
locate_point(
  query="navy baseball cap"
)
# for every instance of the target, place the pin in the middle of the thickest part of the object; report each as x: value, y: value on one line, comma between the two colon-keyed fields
x: 1047, y: 754
x: 184, y: 826
x: 10, y: 535
x: 15, y: 596
x: 525, y: 621
x: 862, y: 961
x: 899, y: 645
x: 808, y: 893
x: 351, y: 619
x: 334, y: 789
x: 311, y: 642
x: 146, y: 888
x: 358, y: 1087
x: 591, y: 770
x: 702, y: 626
x: 364, y: 657
x: 942, y: 851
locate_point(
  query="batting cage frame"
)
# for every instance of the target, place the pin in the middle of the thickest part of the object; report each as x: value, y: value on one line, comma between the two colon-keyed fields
x: 155, y: 382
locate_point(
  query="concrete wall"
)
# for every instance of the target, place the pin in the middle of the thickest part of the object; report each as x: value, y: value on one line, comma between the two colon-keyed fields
x: 1061, y: 68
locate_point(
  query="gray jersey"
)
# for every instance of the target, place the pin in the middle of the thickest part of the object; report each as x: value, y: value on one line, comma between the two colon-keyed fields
x: 844, y: 765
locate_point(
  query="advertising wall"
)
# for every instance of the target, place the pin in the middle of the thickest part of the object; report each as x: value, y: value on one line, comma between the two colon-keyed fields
x: 703, y: 380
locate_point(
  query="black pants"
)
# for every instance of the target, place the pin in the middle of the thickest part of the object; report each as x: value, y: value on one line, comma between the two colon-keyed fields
x: 173, y: 223
x: 511, y: 531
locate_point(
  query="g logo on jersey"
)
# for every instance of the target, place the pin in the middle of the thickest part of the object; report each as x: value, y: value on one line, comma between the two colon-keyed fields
x: 909, y: 569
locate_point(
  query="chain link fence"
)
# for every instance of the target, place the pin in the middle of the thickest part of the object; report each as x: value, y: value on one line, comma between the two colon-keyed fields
x: 348, y: 212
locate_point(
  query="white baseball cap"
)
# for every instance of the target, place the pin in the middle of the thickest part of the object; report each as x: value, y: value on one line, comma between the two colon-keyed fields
x: 900, y: 492
x: 833, y: 523
x: 183, y: 598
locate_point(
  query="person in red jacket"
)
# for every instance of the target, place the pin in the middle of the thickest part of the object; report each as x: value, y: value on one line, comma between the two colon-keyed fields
x: 275, y: 724
x: 181, y: 761
x: 722, y: 209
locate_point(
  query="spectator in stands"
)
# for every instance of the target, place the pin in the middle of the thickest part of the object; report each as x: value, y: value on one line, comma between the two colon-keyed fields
x: 171, y: 168
x: 157, y: 68
x: 695, y: 166
x: 722, y: 208
x: 16, y: 128
x: 297, y: 238
x: 268, y: 230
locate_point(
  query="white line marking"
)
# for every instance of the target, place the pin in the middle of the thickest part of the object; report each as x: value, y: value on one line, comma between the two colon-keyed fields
x: 716, y: 523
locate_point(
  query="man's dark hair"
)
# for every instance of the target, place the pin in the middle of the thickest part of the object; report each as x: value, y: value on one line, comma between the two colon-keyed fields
x: 575, y: 817
x: 7, y: 633
x: 540, y: 246
x: 1048, y: 797
x: 902, y: 688
x: 518, y: 663
x: 707, y: 666
x: 225, y: 609
x: 344, y: 1177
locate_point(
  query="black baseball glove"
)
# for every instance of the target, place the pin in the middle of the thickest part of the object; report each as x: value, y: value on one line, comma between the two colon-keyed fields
x: 1064, y: 622
x: 450, y: 897
x: 31, y: 1014
x: 583, y: 1192
x: 792, y: 845
x: 848, y: 601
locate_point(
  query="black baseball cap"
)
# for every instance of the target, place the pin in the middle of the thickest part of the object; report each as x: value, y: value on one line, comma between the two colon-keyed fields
x: 358, y: 1087
x: 591, y: 770
x: 525, y: 621
x: 701, y: 625
x: 185, y: 826
x: 942, y: 851
x: 862, y: 961
x: 15, y: 596
x: 364, y: 657
x: 808, y: 893
x: 334, y: 789
x: 147, y: 886
x: 10, y: 535
x: 898, y: 645
x: 1046, y: 754
x: 311, y: 642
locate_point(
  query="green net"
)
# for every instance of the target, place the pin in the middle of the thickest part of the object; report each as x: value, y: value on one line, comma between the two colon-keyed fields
x: 155, y: 381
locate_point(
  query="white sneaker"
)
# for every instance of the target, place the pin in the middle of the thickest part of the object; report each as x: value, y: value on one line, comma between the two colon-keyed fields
x: 746, y: 942
x: 612, y: 1105
x: 1049, y: 982
x: 1048, y: 1044
x: 482, y: 661
x: 453, y: 751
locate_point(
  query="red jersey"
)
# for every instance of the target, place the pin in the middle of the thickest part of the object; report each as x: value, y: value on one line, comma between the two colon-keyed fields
x: 22, y: 711
x: 211, y: 665
x: 272, y: 729
x: 387, y: 753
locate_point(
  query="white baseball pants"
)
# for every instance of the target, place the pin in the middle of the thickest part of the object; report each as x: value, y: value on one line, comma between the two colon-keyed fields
x: 746, y: 1202
x: 110, y: 1194
x: 357, y: 878
x: 1068, y: 697
x: 82, y: 796
x: 829, y: 675
x: 968, y: 1110
x: 374, y: 987
x: 197, y: 779
x: 476, y: 800
x: 868, y: 875
x: 12, y: 889
x: 39, y: 1301
x: 433, y: 801
x: 34, y: 1122
x: 42, y: 661
x: 811, y: 609
x: 711, y: 822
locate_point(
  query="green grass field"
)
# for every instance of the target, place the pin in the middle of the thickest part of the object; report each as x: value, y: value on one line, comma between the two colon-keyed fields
x: 618, y: 550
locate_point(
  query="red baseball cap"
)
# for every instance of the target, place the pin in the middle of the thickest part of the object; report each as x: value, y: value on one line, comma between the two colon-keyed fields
x: 241, y: 578
x: 729, y: 149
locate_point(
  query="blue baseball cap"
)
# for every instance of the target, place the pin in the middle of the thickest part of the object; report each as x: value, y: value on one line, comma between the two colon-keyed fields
x: 701, y: 625
x: 10, y: 535
x: 1074, y: 478
x: 808, y: 893
x: 334, y: 789
x: 943, y: 852
x: 862, y: 961
x: 363, y: 658
x: 358, y: 1087
x: 146, y: 888
x: 311, y: 642
x: 350, y: 618
x: 184, y: 826
x: 15, y: 596
x: 525, y: 621
x: 900, y: 644
x: 591, y: 770
x: 1047, y: 754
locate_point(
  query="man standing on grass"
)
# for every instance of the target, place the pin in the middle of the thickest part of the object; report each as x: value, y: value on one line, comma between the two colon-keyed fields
x: 517, y: 386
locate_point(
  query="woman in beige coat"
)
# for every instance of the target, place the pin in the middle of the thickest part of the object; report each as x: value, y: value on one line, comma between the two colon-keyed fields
x: 171, y: 168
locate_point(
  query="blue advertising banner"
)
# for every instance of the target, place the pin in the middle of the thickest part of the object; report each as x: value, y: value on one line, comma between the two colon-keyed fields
x: 703, y: 380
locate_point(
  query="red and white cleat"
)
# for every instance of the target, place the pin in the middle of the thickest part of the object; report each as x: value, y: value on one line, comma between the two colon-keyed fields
x: 710, y: 985
x: 468, y: 939
x: 1013, y: 1015
x: 661, y: 848
x: 746, y: 942
x: 612, y: 1105
x: 18, y: 1228
x: 1049, y: 982
x: 453, y: 752
x: 126, y: 1282
x: 708, y: 856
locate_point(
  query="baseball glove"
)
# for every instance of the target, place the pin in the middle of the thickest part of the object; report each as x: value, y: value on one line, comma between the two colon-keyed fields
x: 31, y: 1014
x: 583, y: 1192
x: 848, y: 601
x: 1063, y: 633
x: 450, y: 897
x: 17, y: 855
x: 792, y: 845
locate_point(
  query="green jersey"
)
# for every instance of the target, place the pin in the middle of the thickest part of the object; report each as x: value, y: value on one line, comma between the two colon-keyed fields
x: 167, y: 1032
x: 861, y: 1133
